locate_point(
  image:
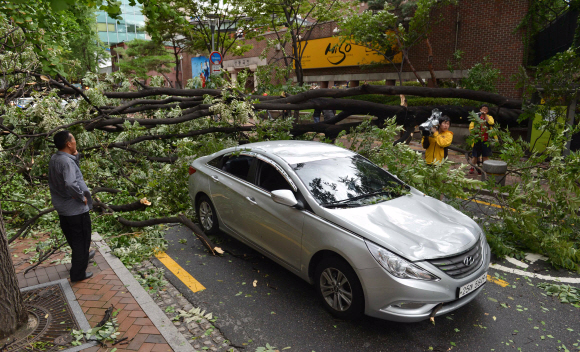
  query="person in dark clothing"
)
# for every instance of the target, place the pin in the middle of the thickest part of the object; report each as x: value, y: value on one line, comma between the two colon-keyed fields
x: 72, y: 200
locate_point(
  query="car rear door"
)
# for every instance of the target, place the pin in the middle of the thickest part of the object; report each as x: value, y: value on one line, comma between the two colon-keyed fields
x: 228, y: 187
x: 274, y: 227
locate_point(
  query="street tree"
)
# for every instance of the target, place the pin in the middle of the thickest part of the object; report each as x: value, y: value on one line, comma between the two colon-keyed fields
x: 225, y: 24
x: 393, y: 28
x: 35, y: 36
x: 144, y: 56
x: 293, y: 22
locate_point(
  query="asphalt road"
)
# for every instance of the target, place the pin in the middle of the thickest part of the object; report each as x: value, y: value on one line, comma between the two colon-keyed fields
x: 282, y: 309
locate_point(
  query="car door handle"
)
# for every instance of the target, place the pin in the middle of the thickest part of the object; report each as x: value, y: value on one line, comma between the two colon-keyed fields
x: 251, y: 200
x: 215, y: 178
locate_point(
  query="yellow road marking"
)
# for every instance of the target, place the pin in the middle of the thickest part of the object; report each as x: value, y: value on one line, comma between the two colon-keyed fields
x: 181, y: 274
x: 495, y: 280
x: 486, y: 203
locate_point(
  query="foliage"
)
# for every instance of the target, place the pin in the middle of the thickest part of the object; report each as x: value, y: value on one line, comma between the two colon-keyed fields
x: 269, y: 77
x: 386, y: 32
x: 58, y: 31
x: 142, y: 56
x: 407, y: 164
x: 232, y: 26
x: 540, y: 212
x: 482, y: 76
x: 268, y: 348
x: 194, y: 314
x: 413, y: 101
x: 293, y: 22
x: 565, y: 293
x: 479, y: 130
x: 152, y: 279
x: 103, y: 334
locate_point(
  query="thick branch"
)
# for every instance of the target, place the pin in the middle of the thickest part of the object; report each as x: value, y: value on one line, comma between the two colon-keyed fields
x: 30, y: 222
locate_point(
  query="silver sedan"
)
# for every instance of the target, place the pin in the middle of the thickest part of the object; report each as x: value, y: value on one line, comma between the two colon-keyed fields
x: 368, y: 242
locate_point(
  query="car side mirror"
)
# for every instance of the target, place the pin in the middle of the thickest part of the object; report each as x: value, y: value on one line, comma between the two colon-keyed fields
x: 284, y: 196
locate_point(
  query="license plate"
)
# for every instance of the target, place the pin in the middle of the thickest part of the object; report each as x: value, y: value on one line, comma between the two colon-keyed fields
x: 473, y: 285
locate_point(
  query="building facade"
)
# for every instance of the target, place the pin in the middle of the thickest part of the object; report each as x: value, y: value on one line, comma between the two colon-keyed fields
x: 131, y: 26
x: 479, y: 28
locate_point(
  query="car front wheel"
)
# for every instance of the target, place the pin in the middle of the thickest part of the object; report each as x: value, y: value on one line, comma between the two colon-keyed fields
x: 339, y: 288
x: 207, y: 215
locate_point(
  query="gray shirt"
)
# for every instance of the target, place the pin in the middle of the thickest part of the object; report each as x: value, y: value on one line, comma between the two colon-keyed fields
x: 67, y: 186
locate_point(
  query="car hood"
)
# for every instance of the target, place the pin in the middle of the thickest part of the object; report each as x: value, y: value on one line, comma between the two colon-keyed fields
x: 415, y: 226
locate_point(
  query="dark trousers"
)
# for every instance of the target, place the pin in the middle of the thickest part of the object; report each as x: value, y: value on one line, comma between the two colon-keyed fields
x: 77, y: 230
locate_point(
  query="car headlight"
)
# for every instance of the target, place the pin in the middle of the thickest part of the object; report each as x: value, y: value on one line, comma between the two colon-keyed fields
x: 398, y: 266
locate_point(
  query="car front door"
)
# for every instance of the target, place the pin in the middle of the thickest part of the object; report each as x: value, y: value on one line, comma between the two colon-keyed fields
x: 274, y: 227
x: 228, y: 187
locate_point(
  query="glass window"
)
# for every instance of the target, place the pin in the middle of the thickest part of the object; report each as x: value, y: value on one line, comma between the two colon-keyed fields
x: 131, y: 36
x: 105, y: 27
x: 270, y: 179
x: 215, y: 162
x: 101, y: 17
x: 141, y: 35
x: 104, y: 37
x: 347, y: 179
x: 237, y: 165
x: 141, y: 28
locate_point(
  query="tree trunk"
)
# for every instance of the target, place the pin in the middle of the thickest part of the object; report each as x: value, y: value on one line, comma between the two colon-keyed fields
x: 413, y: 69
x: 178, y: 83
x: 12, y: 310
x: 430, y: 61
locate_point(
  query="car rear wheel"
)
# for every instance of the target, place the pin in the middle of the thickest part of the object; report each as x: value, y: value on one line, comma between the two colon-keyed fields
x: 207, y: 215
x: 339, y: 288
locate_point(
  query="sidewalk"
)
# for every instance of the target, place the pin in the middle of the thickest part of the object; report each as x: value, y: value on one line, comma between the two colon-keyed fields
x: 94, y: 296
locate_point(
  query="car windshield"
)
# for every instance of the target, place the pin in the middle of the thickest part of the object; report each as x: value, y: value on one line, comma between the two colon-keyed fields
x: 348, y: 181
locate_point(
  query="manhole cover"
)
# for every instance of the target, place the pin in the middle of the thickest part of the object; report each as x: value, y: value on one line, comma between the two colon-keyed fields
x: 55, y: 321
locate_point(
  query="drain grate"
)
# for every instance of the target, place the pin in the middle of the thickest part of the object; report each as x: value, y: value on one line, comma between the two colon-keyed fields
x: 55, y: 321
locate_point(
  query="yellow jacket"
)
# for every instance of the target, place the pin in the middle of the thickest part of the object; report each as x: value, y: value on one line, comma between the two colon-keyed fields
x: 437, y: 144
x: 490, y: 122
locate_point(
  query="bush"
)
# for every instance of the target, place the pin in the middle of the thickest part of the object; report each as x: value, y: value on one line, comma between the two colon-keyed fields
x: 414, y: 101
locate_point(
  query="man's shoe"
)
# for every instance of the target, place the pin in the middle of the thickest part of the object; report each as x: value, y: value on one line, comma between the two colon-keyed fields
x: 472, y: 171
x: 92, y: 254
x: 88, y: 275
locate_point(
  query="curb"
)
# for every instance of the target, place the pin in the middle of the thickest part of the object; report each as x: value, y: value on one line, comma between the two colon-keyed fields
x: 173, y: 337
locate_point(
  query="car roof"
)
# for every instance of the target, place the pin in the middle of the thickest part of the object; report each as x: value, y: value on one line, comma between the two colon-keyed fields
x: 294, y: 152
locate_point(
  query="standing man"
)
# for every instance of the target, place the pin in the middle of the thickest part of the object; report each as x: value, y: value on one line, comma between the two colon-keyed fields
x: 482, y: 148
x: 72, y: 200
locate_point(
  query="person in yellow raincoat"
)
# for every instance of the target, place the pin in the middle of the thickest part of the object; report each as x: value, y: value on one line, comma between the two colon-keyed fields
x: 436, y: 144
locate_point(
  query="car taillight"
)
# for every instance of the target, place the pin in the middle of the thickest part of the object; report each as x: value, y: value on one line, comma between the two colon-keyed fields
x: 192, y: 170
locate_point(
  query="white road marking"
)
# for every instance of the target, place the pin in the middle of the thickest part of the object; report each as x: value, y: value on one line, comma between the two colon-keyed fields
x: 514, y: 261
x: 570, y: 280
x: 532, y: 257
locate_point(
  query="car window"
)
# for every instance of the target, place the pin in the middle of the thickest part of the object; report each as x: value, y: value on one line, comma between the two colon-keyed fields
x: 216, y: 161
x: 270, y: 179
x: 237, y: 165
x: 339, y: 180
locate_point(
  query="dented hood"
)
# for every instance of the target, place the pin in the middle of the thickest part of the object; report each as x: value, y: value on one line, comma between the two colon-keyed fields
x: 414, y: 226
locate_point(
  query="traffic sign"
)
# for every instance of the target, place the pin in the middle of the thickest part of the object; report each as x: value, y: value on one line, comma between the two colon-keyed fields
x: 216, y: 68
x: 215, y: 58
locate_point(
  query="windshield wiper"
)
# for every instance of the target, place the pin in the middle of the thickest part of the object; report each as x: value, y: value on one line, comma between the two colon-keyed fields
x: 341, y: 205
x: 346, y: 201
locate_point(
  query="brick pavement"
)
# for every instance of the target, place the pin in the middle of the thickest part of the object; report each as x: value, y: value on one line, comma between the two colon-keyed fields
x: 95, y: 296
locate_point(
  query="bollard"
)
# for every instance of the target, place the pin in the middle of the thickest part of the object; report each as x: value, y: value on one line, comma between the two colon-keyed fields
x: 495, y: 169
